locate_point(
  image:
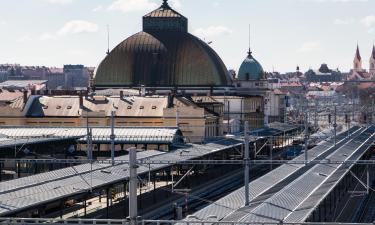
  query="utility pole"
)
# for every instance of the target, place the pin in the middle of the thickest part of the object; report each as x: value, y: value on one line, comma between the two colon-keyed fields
x: 133, y: 182
x: 89, y: 138
x: 372, y: 109
x: 112, y: 137
x: 247, y: 166
x: 335, y: 124
x: 316, y: 114
x: 353, y: 105
x: 306, y: 136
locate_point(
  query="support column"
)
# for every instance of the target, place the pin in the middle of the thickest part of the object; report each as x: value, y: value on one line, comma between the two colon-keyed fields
x: 112, y: 137
x: 153, y: 192
x: 247, y: 166
x: 85, y: 206
x: 133, y: 207
x: 61, y: 209
x: 107, y: 202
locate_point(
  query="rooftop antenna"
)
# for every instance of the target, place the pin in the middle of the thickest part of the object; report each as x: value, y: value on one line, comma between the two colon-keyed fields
x: 249, y: 40
x: 107, y: 39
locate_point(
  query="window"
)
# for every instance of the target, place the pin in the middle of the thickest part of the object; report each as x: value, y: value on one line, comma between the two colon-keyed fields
x: 154, y: 107
x: 129, y: 107
x: 141, y: 107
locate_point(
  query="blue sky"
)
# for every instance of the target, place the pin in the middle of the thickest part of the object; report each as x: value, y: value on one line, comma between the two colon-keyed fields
x: 284, y: 33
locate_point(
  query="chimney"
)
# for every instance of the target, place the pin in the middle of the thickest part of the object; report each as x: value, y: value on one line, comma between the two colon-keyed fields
x: 25, y: 97
x: 121, y: 95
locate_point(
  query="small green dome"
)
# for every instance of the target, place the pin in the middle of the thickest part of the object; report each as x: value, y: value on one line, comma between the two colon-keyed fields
x: 250, y: 69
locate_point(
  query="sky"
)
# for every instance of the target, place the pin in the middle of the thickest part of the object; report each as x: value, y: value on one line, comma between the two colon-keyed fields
x: 284, y: 33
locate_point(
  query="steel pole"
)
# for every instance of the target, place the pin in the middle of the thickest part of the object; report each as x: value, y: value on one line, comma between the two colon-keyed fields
x: 306, y: 137
x: 335, y: 125
x: 247, y: 166
x: 133, y: 182
x: 112, y: 137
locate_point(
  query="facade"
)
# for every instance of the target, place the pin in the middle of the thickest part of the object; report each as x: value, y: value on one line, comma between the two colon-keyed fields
x: 196, y: 123
x: 69, y: 77
x: 276, y: 106
x: 358, y: 73
x: 323, y: 74
x: 164, y: 54
x: 239, y: 109
x: 76, y: 76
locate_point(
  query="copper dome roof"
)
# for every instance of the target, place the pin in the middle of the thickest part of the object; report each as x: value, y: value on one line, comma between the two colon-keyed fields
x: 163, y: 55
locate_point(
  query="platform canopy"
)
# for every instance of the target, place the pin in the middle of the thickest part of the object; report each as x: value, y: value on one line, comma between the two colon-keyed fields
x: 123, y: 135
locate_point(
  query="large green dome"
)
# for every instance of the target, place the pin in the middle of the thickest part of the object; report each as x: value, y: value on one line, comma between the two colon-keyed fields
x: 250, y: 69
x: 164, y: 54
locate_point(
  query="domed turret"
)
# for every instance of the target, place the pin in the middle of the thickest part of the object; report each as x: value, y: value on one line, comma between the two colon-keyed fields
x: 250, y: 69
x: 163, y: 55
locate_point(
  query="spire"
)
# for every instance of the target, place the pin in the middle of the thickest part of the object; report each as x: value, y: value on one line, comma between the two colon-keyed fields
x: 165, y: 5
x: 357, y: 54
x: 373, y: 52
x: 249, y: 52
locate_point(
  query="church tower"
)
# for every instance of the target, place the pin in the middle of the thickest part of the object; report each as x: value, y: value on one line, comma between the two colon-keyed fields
x: 357, y: 63
x: 372, y: 61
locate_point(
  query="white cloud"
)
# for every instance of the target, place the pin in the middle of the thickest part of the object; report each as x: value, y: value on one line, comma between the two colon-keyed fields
x: 71, y: 27
x: 78, y: 26
x: 344, y: 21
x: 212, y: 31
x: 309, y: 46
x: 60, y: 2
x: 132, y: 5
x: 97, y: 8
x: 47, y: 36
x: 25, y: 38
x: 369, y: 23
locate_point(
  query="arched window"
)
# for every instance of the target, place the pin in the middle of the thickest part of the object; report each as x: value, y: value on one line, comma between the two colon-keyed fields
x: 247, y: 76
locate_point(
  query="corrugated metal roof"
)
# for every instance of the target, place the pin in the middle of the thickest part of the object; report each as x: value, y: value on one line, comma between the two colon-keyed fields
x: 230, y: 207
x: 305, y: 209
x: 129, y: 135
x: 10, y: 143
x: 282, y: 204
x: 19, y: 194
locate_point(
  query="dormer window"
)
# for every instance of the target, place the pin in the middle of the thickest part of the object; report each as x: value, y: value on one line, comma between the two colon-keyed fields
x: 69, y: 107
x: 129, y: 107
x: 58, y: 107
x: 154, y: 107
x: 141, y: 107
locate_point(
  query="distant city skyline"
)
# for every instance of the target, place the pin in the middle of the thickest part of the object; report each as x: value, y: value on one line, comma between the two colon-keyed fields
x: 284, y: 33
